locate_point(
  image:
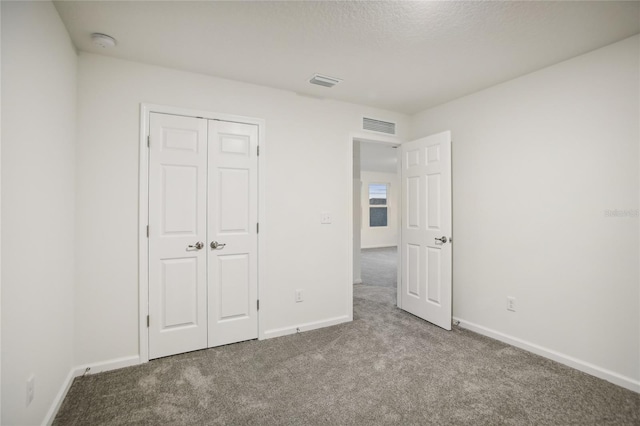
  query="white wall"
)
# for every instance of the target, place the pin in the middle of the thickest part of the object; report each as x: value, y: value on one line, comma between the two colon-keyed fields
x: 379, y: 236
x: 536, y: 163
x: 38, y: 184
x: 308, y: 164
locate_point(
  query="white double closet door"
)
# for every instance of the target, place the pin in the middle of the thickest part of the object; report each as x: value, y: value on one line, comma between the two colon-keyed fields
x: 203, y: 214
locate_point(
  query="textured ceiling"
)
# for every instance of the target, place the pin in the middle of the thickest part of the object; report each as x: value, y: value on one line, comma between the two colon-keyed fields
x: 402, y: 56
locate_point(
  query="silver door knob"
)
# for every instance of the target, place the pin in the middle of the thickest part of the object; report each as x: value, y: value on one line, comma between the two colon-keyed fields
x: 216, y: 245
x: 197, y: 245
x: 442, y: 239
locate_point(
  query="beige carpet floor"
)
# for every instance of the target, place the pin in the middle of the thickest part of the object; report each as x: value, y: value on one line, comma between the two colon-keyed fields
x: 386, y: 367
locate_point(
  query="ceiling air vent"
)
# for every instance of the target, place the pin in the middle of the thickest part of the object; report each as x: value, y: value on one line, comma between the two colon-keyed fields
x: 378, y: 126
x: 323, y: 80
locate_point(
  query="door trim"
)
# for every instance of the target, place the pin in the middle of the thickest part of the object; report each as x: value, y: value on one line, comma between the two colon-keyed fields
x: 143, y: 212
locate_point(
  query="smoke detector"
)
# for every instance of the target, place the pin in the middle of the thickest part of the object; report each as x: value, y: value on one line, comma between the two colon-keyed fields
x: 103, y: 41
x: 323, y: 80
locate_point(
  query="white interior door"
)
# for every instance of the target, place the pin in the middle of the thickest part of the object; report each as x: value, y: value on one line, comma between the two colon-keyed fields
x: 426, y: 228
x: 177, y: 224
x: 233, y: 233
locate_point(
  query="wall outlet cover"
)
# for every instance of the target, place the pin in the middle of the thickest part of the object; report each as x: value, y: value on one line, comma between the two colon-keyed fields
x: 325, y: 218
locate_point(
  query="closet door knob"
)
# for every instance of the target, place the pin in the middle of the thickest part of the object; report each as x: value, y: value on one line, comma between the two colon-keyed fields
x: 216, y: 245
x: 197, y: 245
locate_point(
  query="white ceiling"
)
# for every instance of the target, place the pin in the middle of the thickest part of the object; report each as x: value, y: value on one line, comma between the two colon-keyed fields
x: 376, y: 157
x: 397, y: 55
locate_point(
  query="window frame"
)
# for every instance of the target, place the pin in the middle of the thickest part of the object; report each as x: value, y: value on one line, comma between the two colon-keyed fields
x: 386, y: 205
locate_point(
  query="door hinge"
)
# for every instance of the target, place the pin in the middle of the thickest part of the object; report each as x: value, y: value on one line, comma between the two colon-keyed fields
x: 258, y: 149
x: 149, y: 141
x: 147, y: 321
x: 258, y: 304
x: 147, y: 231
x: 257, y: 228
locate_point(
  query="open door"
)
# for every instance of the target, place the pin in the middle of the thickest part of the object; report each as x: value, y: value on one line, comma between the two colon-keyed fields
x: 426, y: 229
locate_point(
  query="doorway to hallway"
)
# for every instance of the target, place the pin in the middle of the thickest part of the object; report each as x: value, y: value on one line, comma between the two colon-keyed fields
x: 379, y: 271
x: 423, y: 220
x: 378, y: 188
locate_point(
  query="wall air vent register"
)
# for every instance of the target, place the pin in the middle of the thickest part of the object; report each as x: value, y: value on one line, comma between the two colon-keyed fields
x: 379, y: 126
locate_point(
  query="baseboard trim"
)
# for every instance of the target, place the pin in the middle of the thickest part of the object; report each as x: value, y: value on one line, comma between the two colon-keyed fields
x: 578, y: 364
x: 358, y: 281
x: 112, y: 364
x: 97, y: 367
x: 278, y: 332
x: 57, y: 402
x: 379, y: 246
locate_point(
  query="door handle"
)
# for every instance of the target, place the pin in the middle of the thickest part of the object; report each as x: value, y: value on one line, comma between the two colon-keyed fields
x: 197, y: 245
x: 442, y: 240
x: 216, y: 245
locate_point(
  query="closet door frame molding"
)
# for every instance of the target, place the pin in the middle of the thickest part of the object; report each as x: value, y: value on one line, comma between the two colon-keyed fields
x: 143, y: 211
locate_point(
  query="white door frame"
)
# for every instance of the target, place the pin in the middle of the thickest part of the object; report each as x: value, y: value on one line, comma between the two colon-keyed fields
x: 143, y: 211
x: 364, y: 136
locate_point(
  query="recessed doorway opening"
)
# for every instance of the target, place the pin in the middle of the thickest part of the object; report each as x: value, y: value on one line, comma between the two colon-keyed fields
x: 423, y: 225
x: 376, y: 220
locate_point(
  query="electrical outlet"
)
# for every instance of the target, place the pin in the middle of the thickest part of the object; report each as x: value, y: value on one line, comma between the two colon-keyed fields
x: 511, y: 303
x: 325, y: 218
x: 31, y: 388
x: 299, y: 296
